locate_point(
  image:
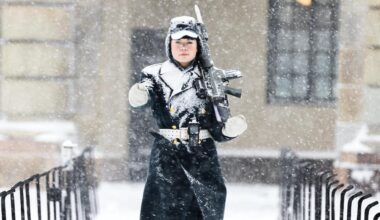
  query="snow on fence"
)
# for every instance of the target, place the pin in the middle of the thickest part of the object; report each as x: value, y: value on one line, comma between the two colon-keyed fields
x: 65, y: 192
x: 311, y: 191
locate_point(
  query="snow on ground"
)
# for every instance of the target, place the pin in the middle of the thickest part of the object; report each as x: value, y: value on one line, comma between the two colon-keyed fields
x: 244, y: 201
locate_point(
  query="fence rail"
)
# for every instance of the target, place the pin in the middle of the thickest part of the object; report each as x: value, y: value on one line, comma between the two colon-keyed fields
x: 65, y: 193
x: 310, y: 191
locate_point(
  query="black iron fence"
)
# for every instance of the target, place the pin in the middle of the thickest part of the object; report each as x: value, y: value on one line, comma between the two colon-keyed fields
x: 66, y: 192
x: 312, y: 191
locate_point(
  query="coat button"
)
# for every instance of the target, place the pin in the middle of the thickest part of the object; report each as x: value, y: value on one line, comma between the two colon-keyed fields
x: 175, y: 142
x: 171, y: 109
x: 202, y: 111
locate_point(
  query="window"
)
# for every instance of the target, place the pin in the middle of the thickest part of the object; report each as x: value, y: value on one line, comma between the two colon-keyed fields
x: 302, y: 48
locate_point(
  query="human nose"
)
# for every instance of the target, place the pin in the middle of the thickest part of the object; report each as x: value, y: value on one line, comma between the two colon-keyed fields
x: 183, y: 46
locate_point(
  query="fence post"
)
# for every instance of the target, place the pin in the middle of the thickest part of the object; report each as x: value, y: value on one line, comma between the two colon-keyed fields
x: 349, y: 203
x: 327, y: 192
x: 303, y: 177
x: 333, y: 200
x: 360, y: 202
x: 13, y: 208
x: 84, y: 185
x: 366, y: 212
x: 20, y: 186
x: 38, y: 189
x: 47, y: 182
x: 27, y: 198
x: 287, y: 170
x: 56, y: 193
x: 342, y: 199
x: 68, y: 150
x: 309, y: 179
x: 3, y: 210
x: 318, y: 193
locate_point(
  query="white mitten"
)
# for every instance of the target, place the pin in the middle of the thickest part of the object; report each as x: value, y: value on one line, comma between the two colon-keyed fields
x: 138, y: 94
x: 235, y: 126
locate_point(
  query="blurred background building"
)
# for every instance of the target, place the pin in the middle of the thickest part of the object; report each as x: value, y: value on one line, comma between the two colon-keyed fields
x: 310, y: 79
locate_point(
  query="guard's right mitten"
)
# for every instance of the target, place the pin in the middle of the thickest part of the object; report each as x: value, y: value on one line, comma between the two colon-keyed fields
x: 235, y: 126
x: 139, y: 94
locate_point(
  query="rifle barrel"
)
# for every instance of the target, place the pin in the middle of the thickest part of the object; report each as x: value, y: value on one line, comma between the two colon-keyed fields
x: 232, y: 74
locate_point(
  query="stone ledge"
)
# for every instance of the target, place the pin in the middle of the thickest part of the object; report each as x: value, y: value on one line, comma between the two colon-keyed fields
x: 360, y: 158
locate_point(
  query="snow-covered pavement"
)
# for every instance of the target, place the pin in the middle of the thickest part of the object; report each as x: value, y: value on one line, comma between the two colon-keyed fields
x: 244, y: 201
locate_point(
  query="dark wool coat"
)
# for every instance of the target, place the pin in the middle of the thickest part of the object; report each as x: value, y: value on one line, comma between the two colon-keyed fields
x: 183, y: 182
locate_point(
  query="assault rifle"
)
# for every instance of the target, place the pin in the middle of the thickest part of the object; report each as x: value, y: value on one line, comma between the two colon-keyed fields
x: 214, y: 81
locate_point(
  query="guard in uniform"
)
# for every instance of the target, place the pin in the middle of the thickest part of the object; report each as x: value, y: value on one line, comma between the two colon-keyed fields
x: 184, y: 180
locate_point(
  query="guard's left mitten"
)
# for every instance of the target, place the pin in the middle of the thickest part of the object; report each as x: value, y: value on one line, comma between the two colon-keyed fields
x: 235, y: 126
x: 139, y: 94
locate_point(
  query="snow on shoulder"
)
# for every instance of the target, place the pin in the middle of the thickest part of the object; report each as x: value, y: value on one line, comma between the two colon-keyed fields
x: 152, y: 69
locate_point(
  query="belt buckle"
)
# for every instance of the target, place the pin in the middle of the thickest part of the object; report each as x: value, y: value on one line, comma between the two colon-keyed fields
x: 183, y: 134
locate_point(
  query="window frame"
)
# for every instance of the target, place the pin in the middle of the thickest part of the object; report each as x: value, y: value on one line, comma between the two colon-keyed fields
x: 312, y: 28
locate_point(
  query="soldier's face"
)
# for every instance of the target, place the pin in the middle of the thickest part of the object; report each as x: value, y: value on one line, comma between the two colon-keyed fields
x: 184, y: 50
